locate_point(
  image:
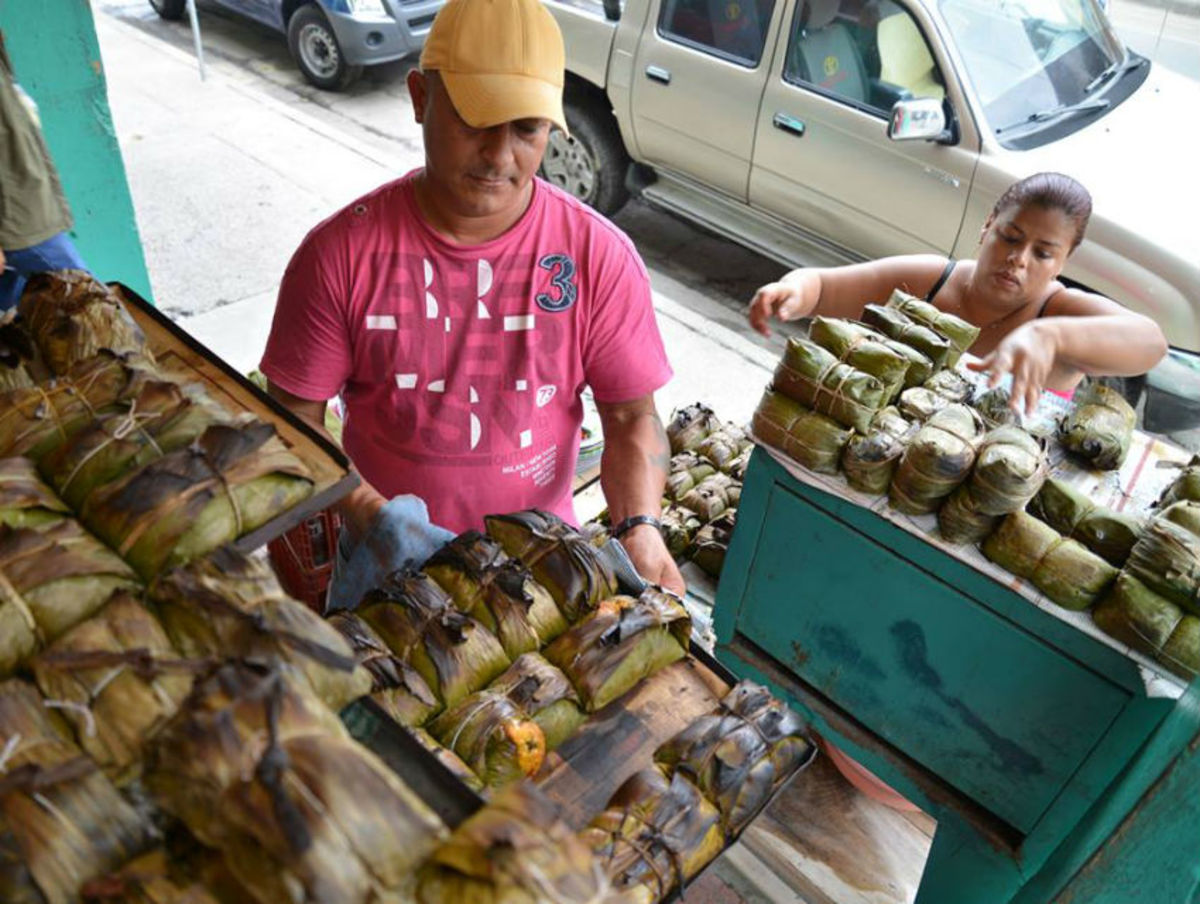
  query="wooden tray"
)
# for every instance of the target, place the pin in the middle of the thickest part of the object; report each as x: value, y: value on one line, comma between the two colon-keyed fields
x: 180, y: 354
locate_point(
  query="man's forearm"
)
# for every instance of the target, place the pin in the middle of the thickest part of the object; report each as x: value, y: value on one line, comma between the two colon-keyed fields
x: 633, y: 469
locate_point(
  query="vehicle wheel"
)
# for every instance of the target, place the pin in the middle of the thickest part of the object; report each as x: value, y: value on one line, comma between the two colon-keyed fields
x: 316, y: 50
x: 591, y: 163
x: 170, y: 9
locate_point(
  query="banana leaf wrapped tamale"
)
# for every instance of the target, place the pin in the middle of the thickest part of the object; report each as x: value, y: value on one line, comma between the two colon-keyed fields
x: 448, y: 758
x: 687, y: 470
x: 515, y: 850
x: 544, y: 692
x: 951, y: 384
x: 494, y: 735
x: 1185, y: 487
x: 497, y: 591
x: 863, y: 349
x: 897, y: 325
x: 18, y: 358
x: 575, y: 572
x: 1186, y: 514
x: 689, y: 426
x: 1109, y: 534
x: 740, y: 753
x: 870, y: 461
x: 712, y: 496
x: 396, y: 686
x: 1181, y: 652
x: 938, y: 458
x: 1009, y: 470
x: 737, y: 467
x: 71, y: 316
x: 54, y: 578
x: 62, y: 821
x: 160, y: 418
x: 228, y: 482
x: 117, y: 680
x: 1099, y: 428
x: 228, y: 604
x: 815, y: 378
x: 811, y: 439
x: 657, y: 832
x: 995, y: 407
x: 24, y: 500
x: 723, y: 446
x: 712, y: 543
x: 960, y: 333
x: 453, y: 652
x: 1166, y: 558
x: 679, y: 527
x: 920, y: 403
x: 1065, y: 570
x: 623, y: 641
x: 1137, y: 616
x: 38, y: 419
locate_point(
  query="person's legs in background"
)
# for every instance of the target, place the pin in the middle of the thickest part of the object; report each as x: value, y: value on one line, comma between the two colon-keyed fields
x: 56, y: 253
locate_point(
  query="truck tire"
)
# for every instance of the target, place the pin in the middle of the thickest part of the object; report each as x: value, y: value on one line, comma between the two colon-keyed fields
x: 590, y: 163
x: 316, y: 50
x: 172, y: 10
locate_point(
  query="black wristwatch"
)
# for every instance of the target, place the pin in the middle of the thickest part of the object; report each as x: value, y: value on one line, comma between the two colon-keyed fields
x: 633, y: 521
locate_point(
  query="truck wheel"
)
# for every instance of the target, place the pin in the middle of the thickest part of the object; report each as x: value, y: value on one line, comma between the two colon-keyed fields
x: 590, y: 163
x: 169, y: 9
x: 316, y: 50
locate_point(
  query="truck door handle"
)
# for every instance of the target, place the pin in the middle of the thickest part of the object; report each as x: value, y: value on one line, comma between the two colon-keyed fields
x: 788, y: 124
x: 658, y: 74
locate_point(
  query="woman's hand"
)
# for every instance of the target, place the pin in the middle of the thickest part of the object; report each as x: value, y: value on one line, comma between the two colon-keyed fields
x: 790, y: 298
x: 1028, y: 353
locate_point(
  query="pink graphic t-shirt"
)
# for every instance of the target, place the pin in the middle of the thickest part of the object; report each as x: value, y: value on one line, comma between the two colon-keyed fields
x: 461, y: 367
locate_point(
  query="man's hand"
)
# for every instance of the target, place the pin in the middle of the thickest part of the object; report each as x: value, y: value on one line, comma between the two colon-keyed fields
x: 650, y: 557
x: 359, y: 510
x: 1028, y: 353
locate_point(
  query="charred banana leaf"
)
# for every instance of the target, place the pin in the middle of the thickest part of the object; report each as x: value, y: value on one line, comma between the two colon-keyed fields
x: 1099, y: 428
x: 687, y: 470
x: 497, y: 591
x: 150, y: 879
x: 72, y: 316
x: 938, y: 458
x: 1109, y: 534
x: 117, y: 680
x: 656, y: 833
x: 679, y: 528
x: 448, y: 758
x: 816, y: 379
x: 1166, y: 558
x: 575, y: 572
x: 1066, y: 571
x: 228, y: 604
x: 740, y: 753
x: 494, y: 735
x: 689, y: 426
x: 449, y: 649
x: 18, y: 358
x: 227, y: 483
x: 516, y: 850
x: 623, y: 641
x: 396, y: 686
x: 811, y: 439
x: 24, y: 500
x: 712, y: 543
x: 897, y: 325
x: 962, y: 335
x: 712, y: 496
x: 55, y: 577
x: 544, y: 692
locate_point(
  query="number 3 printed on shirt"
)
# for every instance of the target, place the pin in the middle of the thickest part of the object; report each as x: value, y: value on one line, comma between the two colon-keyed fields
x: 563, y: 270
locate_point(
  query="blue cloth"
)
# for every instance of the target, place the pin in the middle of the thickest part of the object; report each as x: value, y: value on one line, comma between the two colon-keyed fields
x: 400, y: 536
x: 56, y: 253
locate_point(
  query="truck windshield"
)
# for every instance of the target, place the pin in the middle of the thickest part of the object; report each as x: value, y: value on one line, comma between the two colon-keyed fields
x: 1033, y: 62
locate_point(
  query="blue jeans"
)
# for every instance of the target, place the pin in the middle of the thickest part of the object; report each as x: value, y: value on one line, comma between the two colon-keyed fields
x: 56, y: 253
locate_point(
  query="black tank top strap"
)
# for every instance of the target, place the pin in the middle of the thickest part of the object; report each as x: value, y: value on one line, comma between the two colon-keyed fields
x: 1045, y: 304
x: 941, y: 280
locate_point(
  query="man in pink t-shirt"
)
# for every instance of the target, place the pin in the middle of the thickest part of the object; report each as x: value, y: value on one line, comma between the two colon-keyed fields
x: 461, y: 310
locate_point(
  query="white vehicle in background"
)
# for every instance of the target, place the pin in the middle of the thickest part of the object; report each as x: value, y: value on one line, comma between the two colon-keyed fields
x: 821, y: 132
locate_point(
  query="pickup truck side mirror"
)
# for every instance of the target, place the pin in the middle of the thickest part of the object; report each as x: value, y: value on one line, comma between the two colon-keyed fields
x: 922, y: 118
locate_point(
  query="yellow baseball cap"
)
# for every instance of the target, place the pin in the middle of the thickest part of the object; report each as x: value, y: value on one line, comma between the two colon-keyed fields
x: 500, y: 60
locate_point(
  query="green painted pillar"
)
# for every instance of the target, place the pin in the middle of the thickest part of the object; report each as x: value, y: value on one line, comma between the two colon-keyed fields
x: 57, y: 60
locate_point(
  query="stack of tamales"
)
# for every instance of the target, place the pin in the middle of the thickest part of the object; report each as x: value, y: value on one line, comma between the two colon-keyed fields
x: 1099, y: 428
x: 690, y: 427
x: 496, y: 591
x: 24, y: 500
x: 894, y: 364
x: 960, y: 334
x: 452, y: 652
x: 687, y: 470
x: 938, y: 458
x: 712, y: 496
x: 261, y: 770
x: 1166, y: 557
x: 813, y: 440
x: 724, y: 446
x: 72, y: 316
x: 62, y: 822
x: 1109, y: 534
x: 870, y: 459
x: 1063, y: 569
x: 816, y: 379
x: 898, y: 326
x: 1148, y: 621
x: 229, y: 481
x: 1009, y: 470
x: 621, y: 642
x: 516, y: 850
x: 575, y: 572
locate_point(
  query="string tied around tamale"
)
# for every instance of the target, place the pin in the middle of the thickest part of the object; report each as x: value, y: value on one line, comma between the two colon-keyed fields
x: 89, y: 720
x: 645, y: 852
x: 133, y: 420
x: 10, y: 594
x: 834, y: 389
x: 10, y: 747
x: 271, y: 770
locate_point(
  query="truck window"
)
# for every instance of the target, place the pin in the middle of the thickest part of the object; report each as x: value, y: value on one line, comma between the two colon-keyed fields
x: 735, y: 30
x: 868, y: 52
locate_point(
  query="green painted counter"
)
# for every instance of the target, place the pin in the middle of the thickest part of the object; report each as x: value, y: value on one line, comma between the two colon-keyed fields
x: 1027, y: 739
